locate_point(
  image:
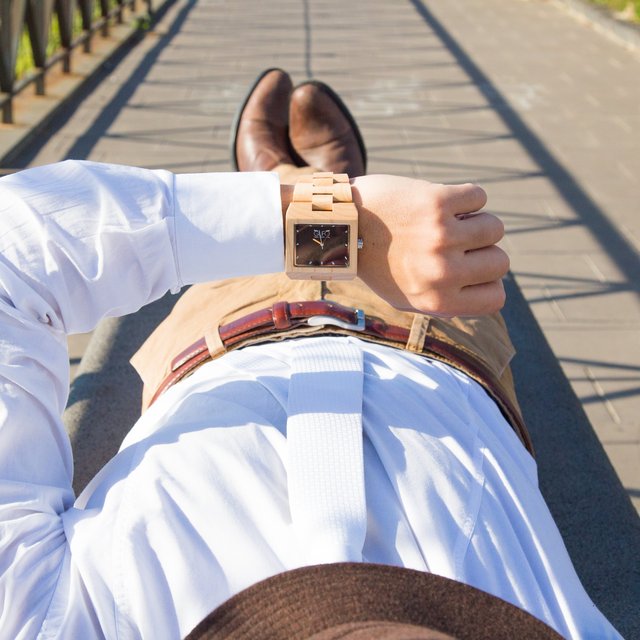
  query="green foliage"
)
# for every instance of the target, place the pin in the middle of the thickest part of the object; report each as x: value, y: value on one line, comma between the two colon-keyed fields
x: 144, y: 22
x: 630, y: 8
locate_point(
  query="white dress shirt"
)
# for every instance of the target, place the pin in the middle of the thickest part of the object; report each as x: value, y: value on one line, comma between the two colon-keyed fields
x: 269, y: 458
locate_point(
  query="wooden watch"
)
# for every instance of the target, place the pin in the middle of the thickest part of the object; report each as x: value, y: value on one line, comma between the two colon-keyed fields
x: 321, y: 229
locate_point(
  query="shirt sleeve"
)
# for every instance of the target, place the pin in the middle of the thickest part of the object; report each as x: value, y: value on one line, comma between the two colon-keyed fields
x: 80, y: 241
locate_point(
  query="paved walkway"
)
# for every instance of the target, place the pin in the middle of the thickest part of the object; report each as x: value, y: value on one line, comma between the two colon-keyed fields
x: 519, y: 96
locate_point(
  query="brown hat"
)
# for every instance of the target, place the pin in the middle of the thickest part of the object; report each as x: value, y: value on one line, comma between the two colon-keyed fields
x: 359, y: 601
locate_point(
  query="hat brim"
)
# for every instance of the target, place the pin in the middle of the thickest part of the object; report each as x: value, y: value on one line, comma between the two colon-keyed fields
x: 302, y: 603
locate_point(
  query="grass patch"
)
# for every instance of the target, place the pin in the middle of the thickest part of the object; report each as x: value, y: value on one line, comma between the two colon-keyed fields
x: 625, y: 9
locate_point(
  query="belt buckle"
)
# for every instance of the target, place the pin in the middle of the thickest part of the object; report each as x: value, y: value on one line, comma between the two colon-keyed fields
x: 358, y: 325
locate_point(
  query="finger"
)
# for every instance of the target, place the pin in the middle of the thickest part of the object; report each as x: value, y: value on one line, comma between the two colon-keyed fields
x: 484, y: 265
x: 479, y: 230
x: 481, y: 299
x: 463, y: 198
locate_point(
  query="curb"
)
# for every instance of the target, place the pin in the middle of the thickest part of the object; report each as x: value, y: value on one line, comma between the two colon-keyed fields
x: 625, y: 33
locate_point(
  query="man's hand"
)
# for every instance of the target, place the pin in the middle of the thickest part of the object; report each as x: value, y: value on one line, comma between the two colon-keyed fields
x: 428, y: 248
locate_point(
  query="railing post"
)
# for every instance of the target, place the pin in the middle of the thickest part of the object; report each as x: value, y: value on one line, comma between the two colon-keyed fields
x: 39, y: 24
x: 65, y: 10
x: 104, y: 10
x: 86, y: 11
x: 7, y: 111
x: 11, y: 23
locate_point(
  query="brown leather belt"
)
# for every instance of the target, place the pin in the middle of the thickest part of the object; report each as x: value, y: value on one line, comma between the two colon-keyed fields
x: 283, y: 317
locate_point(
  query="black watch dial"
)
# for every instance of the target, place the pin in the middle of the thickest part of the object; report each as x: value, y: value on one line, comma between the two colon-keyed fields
x: 322, y: 245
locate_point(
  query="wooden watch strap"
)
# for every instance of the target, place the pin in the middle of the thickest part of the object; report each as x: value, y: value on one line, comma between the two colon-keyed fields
x: 322, y: 189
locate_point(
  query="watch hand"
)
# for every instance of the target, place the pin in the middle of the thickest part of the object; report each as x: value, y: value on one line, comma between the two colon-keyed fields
x: 320, y: 242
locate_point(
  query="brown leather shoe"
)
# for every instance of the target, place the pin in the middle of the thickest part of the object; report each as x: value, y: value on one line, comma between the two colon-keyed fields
x: 323, y: 132
x: 259, y: 134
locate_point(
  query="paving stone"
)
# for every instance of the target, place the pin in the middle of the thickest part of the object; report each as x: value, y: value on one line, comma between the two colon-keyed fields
x: 578, y: 288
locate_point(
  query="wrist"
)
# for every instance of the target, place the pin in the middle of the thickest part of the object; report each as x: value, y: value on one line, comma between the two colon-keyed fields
x: 370, y: 226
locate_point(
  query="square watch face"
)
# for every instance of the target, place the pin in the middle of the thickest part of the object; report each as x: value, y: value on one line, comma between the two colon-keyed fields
x: 321, y: 245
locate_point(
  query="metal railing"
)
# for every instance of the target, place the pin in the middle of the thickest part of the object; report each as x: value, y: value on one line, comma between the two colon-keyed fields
x: 88, y: 16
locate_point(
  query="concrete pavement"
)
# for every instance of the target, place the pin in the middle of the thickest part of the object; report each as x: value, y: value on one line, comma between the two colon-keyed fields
x: 519, y: 96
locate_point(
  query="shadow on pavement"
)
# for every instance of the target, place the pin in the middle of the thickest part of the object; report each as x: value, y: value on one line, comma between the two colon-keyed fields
x: 615, y: 245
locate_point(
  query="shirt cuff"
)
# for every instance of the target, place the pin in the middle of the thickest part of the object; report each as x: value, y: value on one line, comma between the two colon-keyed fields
x: 227, y: 225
